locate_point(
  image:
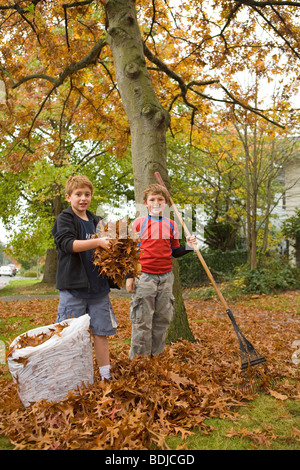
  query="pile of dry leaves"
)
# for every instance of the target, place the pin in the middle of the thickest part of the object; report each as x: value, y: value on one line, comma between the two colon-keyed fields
x: 153, y: 398
x: 26, y: 340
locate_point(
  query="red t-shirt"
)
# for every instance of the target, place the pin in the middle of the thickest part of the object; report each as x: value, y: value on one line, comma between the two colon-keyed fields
x: 159, y: 236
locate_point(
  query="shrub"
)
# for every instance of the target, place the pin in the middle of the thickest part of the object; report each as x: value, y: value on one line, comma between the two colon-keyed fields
x: 222, y: 265
x: 29, y: 274
x: 275, y: 274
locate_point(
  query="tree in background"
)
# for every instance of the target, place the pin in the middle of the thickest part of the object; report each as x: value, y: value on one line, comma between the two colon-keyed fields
x: 235, y: 173
x: 265, y: 151
x: 162, y: 60
x: 207, y: 174
x: 31, y: 199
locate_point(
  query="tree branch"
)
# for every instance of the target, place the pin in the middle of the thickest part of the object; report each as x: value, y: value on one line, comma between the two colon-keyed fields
x: 266, y: 3
x: 152, y: 21
x: 185, y: 87
x: 164, y: 68
x: 90, y: 59
x: 77, y: 4
x: 277, y: 31
x: 32, y: 77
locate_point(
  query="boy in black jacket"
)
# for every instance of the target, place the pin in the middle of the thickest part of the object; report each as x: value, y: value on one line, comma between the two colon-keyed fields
x: 81, y: 289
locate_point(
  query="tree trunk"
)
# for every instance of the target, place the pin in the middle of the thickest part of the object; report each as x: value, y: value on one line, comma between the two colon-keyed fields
x: 147, y: 119
x: 251, y: 199
x: 50, y: 266
x: 179, y: 328
x: 51, y: 256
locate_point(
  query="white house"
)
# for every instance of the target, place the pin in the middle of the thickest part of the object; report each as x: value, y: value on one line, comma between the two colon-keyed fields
x: 291, y: 199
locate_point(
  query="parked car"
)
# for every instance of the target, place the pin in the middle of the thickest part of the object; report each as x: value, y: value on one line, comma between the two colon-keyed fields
x: 14, y: 268
x: 6, y: 271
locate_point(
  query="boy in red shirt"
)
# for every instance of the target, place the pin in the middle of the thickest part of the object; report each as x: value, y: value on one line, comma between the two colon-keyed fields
x: 152, y: 306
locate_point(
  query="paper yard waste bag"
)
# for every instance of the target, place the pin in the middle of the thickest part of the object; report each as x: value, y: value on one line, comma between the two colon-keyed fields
x: 58, y: 360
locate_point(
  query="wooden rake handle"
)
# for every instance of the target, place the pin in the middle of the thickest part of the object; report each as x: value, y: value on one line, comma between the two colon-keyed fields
x: 186, y: 230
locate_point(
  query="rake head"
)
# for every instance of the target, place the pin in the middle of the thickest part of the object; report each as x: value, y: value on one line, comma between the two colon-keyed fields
x: 249, y: 355
x: 251, y: 359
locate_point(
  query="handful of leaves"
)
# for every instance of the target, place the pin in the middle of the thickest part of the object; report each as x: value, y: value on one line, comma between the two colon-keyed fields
x: 122, y: 257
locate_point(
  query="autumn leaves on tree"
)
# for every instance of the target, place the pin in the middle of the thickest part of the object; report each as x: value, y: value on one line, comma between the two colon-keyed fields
x: 86, y: 82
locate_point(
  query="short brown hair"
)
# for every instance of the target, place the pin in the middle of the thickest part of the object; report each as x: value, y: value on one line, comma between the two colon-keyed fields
x: 156, y: 189
x: 75, y: 182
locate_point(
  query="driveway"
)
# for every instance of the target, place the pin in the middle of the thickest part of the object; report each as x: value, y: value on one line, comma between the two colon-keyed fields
x: 4, y: 280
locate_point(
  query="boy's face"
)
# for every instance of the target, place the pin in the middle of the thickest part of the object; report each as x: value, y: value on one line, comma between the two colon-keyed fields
x: 155, y: 204
x: 80, y: 200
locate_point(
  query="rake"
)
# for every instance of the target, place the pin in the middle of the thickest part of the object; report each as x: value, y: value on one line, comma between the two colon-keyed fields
x: 249, y: 355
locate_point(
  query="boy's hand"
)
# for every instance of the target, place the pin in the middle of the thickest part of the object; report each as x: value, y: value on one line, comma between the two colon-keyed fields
x: 104, y: 242
x: 130, y: 285
x: 192, y: 241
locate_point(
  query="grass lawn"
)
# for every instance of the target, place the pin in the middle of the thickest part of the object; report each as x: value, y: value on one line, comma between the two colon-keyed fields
x: 265, y: 425
x: 193, y: 397
x: 27, y: 287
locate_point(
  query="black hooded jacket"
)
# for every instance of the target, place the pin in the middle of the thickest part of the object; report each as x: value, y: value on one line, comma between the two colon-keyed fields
x: 70, y: 271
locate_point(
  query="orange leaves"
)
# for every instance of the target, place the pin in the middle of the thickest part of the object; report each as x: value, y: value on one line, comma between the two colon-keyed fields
x: 278, y: 396
x: 260, y: 437
x: 123, y: 255
x: 26, y: 340
x: 172, y: 394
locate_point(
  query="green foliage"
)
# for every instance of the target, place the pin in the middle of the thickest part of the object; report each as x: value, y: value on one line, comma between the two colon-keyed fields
x: 222, y: 235
x: 30, y: 274
x: 275, y: 274
x: 267, y: 424
x: 222, y: 265
x: 5, y: 444
x: 291, y: 226
x: 28, y: 198
x: 231, y: 269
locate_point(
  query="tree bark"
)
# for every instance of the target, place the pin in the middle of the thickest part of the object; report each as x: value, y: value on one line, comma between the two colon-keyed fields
x: 179, y: 328
x: 50, y: 266
x: 148, y: 120
x: 51, y: 256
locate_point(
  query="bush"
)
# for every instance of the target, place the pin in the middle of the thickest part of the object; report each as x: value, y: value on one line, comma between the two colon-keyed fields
x: 222, y: 265
x: 29, y: 274
x: 275, y: 274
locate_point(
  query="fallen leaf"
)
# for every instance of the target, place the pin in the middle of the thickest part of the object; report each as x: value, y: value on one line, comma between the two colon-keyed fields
x: 151, y: 399
x: 278, y: 396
